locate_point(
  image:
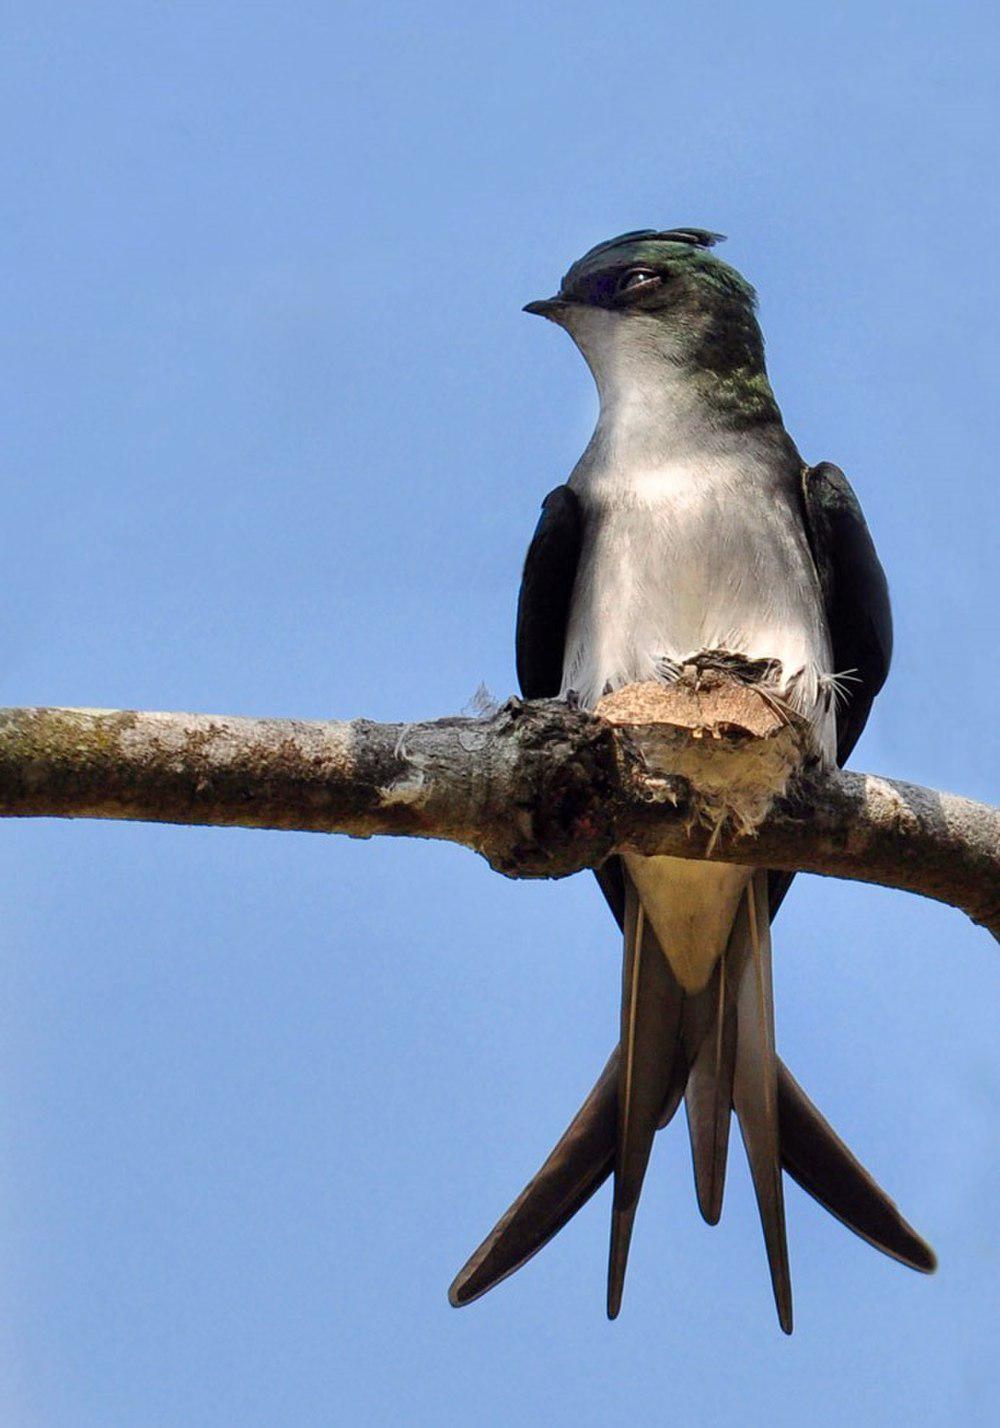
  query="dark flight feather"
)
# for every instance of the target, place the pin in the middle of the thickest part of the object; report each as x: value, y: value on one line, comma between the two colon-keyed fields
x: 855, y: 595
x: 546, y: 593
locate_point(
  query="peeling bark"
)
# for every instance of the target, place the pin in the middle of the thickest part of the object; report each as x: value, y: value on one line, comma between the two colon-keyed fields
x: 714, y: 769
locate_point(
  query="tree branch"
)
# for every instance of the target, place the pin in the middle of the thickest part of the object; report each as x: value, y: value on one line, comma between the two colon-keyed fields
x: 712, y: 770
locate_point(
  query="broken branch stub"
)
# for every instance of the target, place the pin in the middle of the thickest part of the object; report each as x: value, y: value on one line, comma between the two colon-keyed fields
x: 728, y: 747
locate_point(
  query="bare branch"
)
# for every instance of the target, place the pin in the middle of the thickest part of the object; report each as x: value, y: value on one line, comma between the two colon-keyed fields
x: 539, y: 789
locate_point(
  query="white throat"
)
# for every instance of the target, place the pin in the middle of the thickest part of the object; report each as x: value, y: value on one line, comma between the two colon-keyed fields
x: 650, y: 407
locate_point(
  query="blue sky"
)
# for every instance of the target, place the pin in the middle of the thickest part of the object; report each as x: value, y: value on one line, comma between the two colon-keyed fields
x: 275, y: 435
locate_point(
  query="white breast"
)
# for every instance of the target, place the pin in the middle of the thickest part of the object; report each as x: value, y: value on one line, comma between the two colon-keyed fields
x: 700, y: 553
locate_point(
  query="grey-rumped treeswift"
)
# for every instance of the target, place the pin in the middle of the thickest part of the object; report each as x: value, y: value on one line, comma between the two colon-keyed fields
x: 691, y: 530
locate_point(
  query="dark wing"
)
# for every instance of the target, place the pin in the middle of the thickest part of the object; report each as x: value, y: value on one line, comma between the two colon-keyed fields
x: 546, y: 592
x: 855, y: 595
x: 856, y: 600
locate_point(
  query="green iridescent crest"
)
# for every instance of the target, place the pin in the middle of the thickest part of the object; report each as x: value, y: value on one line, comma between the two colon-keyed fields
x: 660, y: 250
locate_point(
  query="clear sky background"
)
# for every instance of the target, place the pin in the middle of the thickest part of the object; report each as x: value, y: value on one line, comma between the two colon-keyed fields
x: 275, y: 436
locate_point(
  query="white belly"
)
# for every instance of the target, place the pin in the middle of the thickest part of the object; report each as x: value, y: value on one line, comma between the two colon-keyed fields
x: 691, y: 557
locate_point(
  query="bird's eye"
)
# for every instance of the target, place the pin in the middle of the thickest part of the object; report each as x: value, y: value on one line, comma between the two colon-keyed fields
x: 636, y: 279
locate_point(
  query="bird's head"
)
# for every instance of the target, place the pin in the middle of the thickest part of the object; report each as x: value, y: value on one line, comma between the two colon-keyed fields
x: 648, y: 296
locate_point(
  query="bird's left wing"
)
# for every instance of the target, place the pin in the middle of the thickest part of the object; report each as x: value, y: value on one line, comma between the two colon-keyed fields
x: 855, y: 596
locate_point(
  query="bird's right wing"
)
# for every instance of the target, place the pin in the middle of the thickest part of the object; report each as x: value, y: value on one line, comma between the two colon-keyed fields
x: 543, y: 604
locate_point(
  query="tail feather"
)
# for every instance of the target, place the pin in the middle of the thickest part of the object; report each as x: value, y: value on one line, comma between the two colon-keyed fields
x: 675, y: 1039
x: 755, y: 1087
x: 811, y: 1152
x: 577, y: 1167
x: 652, y: 1004
x: 816, y: 1157
x: 708, y: 1095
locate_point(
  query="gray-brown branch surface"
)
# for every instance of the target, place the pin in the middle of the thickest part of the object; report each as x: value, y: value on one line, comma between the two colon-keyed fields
x: 706, y: 768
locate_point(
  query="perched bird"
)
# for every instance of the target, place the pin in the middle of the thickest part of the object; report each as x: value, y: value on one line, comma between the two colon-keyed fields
x: 691, y: 529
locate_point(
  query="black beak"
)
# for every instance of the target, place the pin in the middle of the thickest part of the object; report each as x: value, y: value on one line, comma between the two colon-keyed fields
x: 546, y: 307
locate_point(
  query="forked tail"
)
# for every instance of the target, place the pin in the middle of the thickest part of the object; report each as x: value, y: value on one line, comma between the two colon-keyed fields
x: 716, y: 1049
